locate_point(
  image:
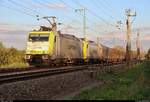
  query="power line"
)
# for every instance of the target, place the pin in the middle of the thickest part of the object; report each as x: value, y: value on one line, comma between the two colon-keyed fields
x: 110, y: 8
x: 23, y: 6
x: 79, y: 16
x: 105, y: 4
x: 72, y: 8
x: 90, y: 28
x: 108, y: 5
x: 66, y: 4
x: 103, y: 10
x: 90, y: 11
x: 7, y: 24
x: 18, y: 10
x: 43, y: 4
x: 66, y: 16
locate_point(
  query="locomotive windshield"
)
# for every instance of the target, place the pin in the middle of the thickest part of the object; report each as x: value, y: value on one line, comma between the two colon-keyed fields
x: 38, y: 37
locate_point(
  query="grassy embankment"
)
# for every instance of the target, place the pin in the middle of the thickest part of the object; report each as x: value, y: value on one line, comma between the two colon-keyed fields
x: 11, y: 58
x: 133, y: 84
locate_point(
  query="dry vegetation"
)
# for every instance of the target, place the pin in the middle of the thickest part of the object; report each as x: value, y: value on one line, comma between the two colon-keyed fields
x: 11, y: 57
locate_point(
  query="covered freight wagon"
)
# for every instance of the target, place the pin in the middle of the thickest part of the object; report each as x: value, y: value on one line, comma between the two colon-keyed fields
x: 95, y: 52
x: 68, y: 48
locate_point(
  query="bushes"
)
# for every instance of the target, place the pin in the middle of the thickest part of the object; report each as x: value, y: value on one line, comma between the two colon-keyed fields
x: 10, y: 56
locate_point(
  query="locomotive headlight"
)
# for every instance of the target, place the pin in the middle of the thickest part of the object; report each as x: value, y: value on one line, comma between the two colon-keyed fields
x: 27, y: 56
x: 45, y: 57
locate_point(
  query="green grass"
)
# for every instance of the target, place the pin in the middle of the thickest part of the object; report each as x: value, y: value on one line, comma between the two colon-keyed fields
x: 133, y: 84
x: 15, y: 65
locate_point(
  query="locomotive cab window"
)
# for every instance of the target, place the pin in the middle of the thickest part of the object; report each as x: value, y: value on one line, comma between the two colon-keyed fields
x: 38, y: 37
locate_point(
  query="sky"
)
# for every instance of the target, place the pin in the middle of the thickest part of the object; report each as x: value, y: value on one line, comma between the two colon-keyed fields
x: 18, y: 18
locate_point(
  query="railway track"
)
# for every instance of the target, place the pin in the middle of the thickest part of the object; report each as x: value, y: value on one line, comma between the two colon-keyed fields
x: 25, y: 75
x: 30, y: 74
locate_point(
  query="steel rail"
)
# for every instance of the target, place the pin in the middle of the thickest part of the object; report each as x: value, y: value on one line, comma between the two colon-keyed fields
x: 13, y: 77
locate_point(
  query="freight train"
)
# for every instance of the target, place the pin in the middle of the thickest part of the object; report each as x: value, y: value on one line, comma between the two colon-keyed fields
x: 48, y: 47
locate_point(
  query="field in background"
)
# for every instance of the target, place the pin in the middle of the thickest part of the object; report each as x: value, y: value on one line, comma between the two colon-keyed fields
x: 133, y: 84
x: 11, y: 58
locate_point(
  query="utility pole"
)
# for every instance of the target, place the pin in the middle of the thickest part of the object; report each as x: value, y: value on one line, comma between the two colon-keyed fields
x: 84, y: 20
x: 128, y: 46
x: 138, y: 45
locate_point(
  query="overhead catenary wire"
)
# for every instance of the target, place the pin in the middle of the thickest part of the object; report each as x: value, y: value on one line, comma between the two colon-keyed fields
x: 25, y: 7
x: 89, y: 28
x: 17, y: 10
x: 71, y: 7
x: 12, y: 24
x: 108, y: 5
x: 66, y: 16
x: 93, y: 13
x: 27, y: 13
x: 18, y: 4
x: 103, y: 10
x: 74, y: 9
x: 79, y: 16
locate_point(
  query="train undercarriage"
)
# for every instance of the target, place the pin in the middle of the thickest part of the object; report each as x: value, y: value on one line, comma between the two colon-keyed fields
x: 45, y: 60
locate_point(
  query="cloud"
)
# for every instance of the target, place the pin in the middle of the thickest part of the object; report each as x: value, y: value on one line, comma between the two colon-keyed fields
x: 146, y: 37
x: 16, y: 36
x: 142, y: 29
x: 61, y: 6
x: 14, y: 28
x: 111, y: 36
x: 57, y: 6
x: 7, y: 31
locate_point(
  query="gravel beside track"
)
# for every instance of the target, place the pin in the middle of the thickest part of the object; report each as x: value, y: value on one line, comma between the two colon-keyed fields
x: 26, y: 75
x: 45, y: 88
